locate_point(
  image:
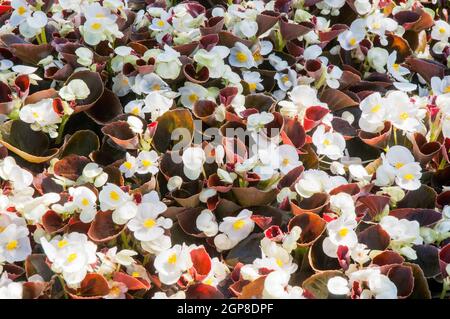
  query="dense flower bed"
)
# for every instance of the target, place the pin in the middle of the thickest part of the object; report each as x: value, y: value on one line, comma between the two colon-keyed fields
x: 222, y: 149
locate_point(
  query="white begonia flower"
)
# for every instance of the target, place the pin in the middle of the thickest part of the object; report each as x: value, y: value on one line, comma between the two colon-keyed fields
x: 342, y: 204
x: 146, y: 225
x: 136, y: 125
x: 440, y: 31
x: 338, y: 286
x: 286, y: 81
x: 398, y: 156
x: 147, y: 162
x: 302, y: 97
x: 374, y: 113
x: 76, y: 90
x: 333, y: 76
x: 85, y: 201
x: 157, y: 104
x: 288, y: 158
x: 385, y: 175
x: 157, y: 245
x: 377, y: 58
x: 94, y: 173
x: 5, y: 64
x: 408, y: 176
x: 241, y: 56
x: 247, y: 27
x: 10, y: 171
x: 290, y: 240
x: 276, y: 287
x: 239, y: 227
x: 213, y: 60
x: 362, y: 6
x: 174, y: 182
x: 170, y: 264
x: 160, y: 23
x: 85, y: 56
x: 256, y: 122
x: 278, y: 63
x: 41, y: 116
x: 378, y: 24
x: 206, y: 193
x: 404, y: 114
x: 72, y: 255
x: 351, y: 38
x: 340, y: 233
x: 253, y: 80
x: 121, y: 84
x: 404, y: 233
x: 135, y: 107
x: 359, y: 173
x: 395, y: 69
x: 337, y: 168
x: 191, y: 93
x: 381, y: 287
x: 360, y: 254
x: 168, y: 64
x: 112, y: 197
x: 440, y: 86
x: 129, y: 167
x: 315, y: 181
x: 10, y: 289
x: 206, y: 222
x: 147, y: 83
x: 14, y: 243
x: 193, y: 160
x: 34, y: 208
x: 20, y: 13
x: 330, y: 144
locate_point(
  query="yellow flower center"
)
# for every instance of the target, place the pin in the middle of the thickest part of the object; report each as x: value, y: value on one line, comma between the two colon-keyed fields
x: 85, y: 201
x: 285, y: 79
x: 135, y: 111
x: 326, y: 142
x: 156, y: 87
x: 172, y: 259
x: 35, y: 115
x: 343, y: 232
x: 11, y: 245
x: 376, y: 25
x: 135, y: 274
x: 115, y: 291
x: 285, y: 162
x: 21, y: 10
x: 72, y: 257
x: 160, y: 23
x: 257, y: 56
x: 404, y: 116
x: 238, y: 224
x: 352, y: 41
x: 241, y: 57
x: 146, y: 163
x: 62, y: 243
x: 193, y: 98
x: 395, y: 66
x: 208, y: 281
x: 447, y: 89
x: 252, y: 86
x: 279, y: 262
x: 441, y: 30
x: 2, y: 229
x: 375, y: 108
x: 398, y: 165
x: 96, y: 25
x: 149, y: 223
x: 128, y: 165
x: 100, y: 15
x: 114, y: 196
x: 408, y: 177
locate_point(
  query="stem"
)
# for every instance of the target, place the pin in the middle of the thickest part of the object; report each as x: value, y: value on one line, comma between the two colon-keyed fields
x: 124, y: 238
x: 43, y: 36
x: 61, y: 129
x: 395, y: 135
